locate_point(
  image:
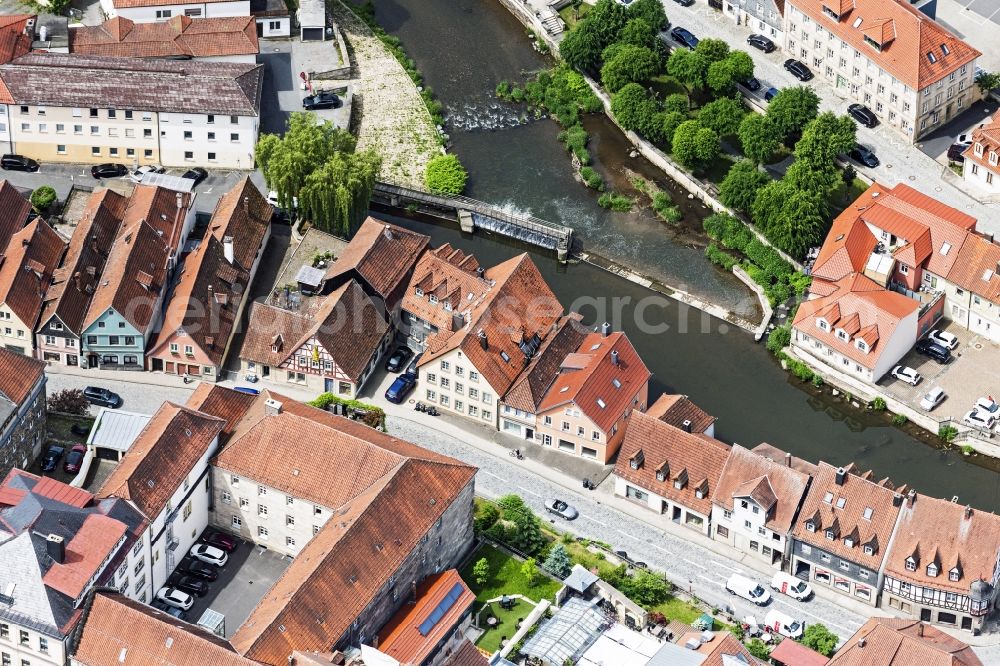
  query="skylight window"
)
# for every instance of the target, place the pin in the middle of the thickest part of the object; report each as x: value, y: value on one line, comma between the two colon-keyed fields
x: 564, y: 389
x: 505, y: 356
x: 945, y: 248
x: 931, y: 57
x: 987, y: 274
x: 828, y: 497
x: 944, y: 49
x: 841, y: 501
x: 857, y: 22
x: 596, y: 347
x: 601, y: 403
x: 868, y: 513
x: 616, y: 383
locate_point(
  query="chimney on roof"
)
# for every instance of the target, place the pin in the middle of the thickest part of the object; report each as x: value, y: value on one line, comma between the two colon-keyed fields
x: 180, y: 201
x: 272, y: 407
x: 605, y: 329
x: 911, y: 497
x: 388, y: 232
x: 897, y: 500
x: 55, y: 546
x: 686, y: 426
x: 614, y: 357
x: 862, y: 642
x: 480, y: 271
x: 968, y: 511
x: 25, y: 242
x: 76, y: 280
x: 227, y: 248
x: 484, y: 342
x: 788, y: 459
x: 841, y: 476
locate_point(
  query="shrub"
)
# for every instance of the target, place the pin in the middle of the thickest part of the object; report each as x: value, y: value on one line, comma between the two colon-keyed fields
x: 878, y: 404
x: 481, y: 571
x: 900, y: 420
x: 800, y: 369
x: 445, y: 174
x: 968, y: 450
x: 665, y: 208
x: 617, y: 202
x: 947, y: 433
x: 42, y: 198
x: 576, y: 138
x: 370, y: 414
x: 817, y: 381
x: 719, y: 257
x: 592, y: 179
x: 69, y: 401
x: 779, y: 338
x: 486, y: 516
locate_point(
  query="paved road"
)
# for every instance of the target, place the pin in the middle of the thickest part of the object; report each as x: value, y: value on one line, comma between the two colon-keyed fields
x: 901, y: 161
x: 140, y: 398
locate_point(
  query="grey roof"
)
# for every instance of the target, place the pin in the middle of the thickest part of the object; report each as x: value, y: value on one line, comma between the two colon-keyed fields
x: 7, y: 407
x: 115, y: 429
x: 134, y: 84
x: 580, y: 578
x: 312, y: 14
x: 169, y: 181
x: 568, y: 634
x: 310, y: 276
x: 672, y: 654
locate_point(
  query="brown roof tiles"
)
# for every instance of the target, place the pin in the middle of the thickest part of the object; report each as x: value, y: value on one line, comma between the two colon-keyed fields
x: 899, y: 642
x: 18, y: 375
x: 778, y: 489
x: 16, y: 209
x: 529, y: 390
x: 28, y: 263
x: 450, y: 278
x: 179, y: 37
x: 676, y: 409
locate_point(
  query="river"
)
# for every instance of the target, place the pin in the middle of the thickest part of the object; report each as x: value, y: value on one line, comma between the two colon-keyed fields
x: 464, y: 48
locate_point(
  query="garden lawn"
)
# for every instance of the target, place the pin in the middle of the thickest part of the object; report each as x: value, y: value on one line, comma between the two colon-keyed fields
x: 665, y: 85
x: 845, y: 194
x: 569, y: 15
x: 505, y: 578
x: 678, y: 609
x: 58, y: 427
x: 505, y: 628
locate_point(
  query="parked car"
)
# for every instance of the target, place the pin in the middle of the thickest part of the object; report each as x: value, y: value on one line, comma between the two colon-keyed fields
x: 988, y: 405
x: 933, y: 398
x: 684, y: 37
x: 864, y: 155
x: 751, y: 84
x: 770, y: 94
x: 955, y: 152
x: 907, y: 374
x: 141, y: 172
x: 794, y: 587
x: 108, y: 170
x: 171, y: 596
x: 397, y: 361
x: 247, y: 390
x: 102, y: 397
x: 965, y: 140
x: 221, y: 540
x: 321, y: 100
x: 798, y: 69
x: 272, y: 198
x: 779, y: 623
x: 684, y: 3
x: 196, y: 174
x: 400, y: 388
x: 761, y: 42
x: 80, y: 429
x: 862, y: 114
x: 189, y: 584
x: 11, y: 162
x: 561, y: 508
x: 52, y: 458
x: 169, y: 610
x: 194, y: 567
x: 933, y: 350
x: 980, y: 419
x: 209, y: 554
x: 750, y: 590
x: 943, y: 338
x: 75, y: 458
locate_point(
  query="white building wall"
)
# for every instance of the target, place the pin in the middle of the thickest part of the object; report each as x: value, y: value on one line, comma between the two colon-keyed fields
x: 454, y: 384
x: 982, y: 179
x: 5, y: 138
x: 30, y: 651
x: 274, y: 26
x: 167, y: 10
x: 770, y: 545
x: 209, y: 140
x: 688, y: 517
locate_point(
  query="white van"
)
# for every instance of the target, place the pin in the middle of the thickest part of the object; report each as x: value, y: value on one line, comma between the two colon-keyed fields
x: 792, y: 586
x: 779, y: 623
x: 750, y: 590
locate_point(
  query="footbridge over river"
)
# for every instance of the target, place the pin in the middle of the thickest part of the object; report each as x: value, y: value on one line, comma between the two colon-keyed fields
x: 472, y: 215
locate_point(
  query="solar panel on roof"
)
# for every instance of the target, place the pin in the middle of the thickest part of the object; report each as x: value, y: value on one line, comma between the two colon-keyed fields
x: 443, y: 607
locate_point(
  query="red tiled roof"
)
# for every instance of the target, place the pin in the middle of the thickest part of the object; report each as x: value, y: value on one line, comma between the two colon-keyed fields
x: 244, y: 215
x: 770, y: 484
x: 529, y: 390
x: 221, y: 402
x: 791, y: 653
x: 46, y: 486
x: 403, y: 637
x: 178, y: 37
x: 908, y: 37
x: 848, y: 244
x: 161, y: 457
x: 28, y: 262
x: 122, y: 632
x: 15, y: 207
x: 14, y: 40
x: 676, y: 409
x: 381, y: 253
x: 18, y: 375
x: 677, y: 455
x: 988, y: 136
x: 976, y: 268
x: 466, y: 655
x: 603, y: 389
x: 899, y: 642
x: 449, y: 276
x: 85, y: 553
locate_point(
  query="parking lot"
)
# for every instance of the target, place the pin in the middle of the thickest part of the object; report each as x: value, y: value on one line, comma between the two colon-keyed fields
x: 974, y: 372
x: 242, y: 583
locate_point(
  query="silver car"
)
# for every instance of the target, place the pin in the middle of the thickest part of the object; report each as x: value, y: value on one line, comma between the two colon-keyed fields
x: 561, y: 508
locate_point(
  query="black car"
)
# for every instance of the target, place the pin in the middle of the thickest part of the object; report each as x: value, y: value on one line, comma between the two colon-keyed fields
x: 770, y: 94
x: 932, y: 349
x: 397, y: 392
x: 108, y: 170
x: 761, y: 42
x: 323, y: 100
x: 169, y: 610
x: 864, y: 155
x: 798, y: 69
x: 189, y: 584
x: 751, y: 84
x: 955, y: 151
x: 863, y: 115
x: 194, y: 567
x: 96, y: 395
x: 684, y: 3
x: 80, y: 429
x: 12, y: 162
x: 52, y: 458
x: 196, y: 174
x: 684, y: 36
x: 398, y: 359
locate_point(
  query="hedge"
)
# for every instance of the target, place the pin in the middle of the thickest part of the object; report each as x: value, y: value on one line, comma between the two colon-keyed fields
x: 370, y: 414
x: 720, y: 258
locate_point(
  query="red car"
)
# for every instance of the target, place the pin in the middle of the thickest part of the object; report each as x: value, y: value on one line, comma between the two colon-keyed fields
x: 221, y: 540
x: 75, y: 458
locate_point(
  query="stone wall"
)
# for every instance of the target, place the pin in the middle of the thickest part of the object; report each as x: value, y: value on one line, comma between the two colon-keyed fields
x: 24, y: 433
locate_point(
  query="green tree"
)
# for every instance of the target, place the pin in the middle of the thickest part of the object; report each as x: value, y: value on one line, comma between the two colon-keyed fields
x: 486, y: 515
x: 69, y: 401
x: 638, y: 32
x: 521, y: 528
x: 825, y: 137
x: 445, y: 174
x: 688, y: 67
x: 633, y: 108
x: 723, y: 75
x: 558, y: 561
x: 740, y: 186
x: 759, y: 136
x: 529, y: 569
x: 677, y: 102
x: 722, y: 115
x: 481, y: 571
x: 582, y: 47
x: 315, y: 162
x: 629, y: 64
x: 712, y: 50
x: 651, y: 11
x: 694, y: 145
x: 821, y: 180
x: 647, y: 589
x: 821, y: 639
x: 791, y: 218
x: 669, y: 122
x: 987, y: 81
x: 792, y: 109
x: 759, y: 649
x: 42, y: 198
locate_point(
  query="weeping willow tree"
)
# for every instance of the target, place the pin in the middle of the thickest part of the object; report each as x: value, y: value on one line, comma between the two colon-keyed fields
x: 316, y: 163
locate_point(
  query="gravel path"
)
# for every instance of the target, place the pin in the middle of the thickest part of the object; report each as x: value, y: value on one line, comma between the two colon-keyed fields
x: 394, y: 121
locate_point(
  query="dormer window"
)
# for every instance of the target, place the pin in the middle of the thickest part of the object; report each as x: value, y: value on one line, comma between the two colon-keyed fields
x: 418, y: 291
x: 872, y: 43
x: 661, y: 475
x: 831, y: 13
x: 954, y: 575
x: 932, y: 570
x: 993, y: 158
x: 433, y: 299
x: 849, y: 542
x: 700, y: 494
x: 842, y: 335
x: 978, y: 149
x: 861, y: 344
x: 911, y: 564
x: 823, y: 324
x: 810, y: 526
x: 635, y: 462
x: 447, y: 306
x: 869, y: 550
x: 830, y: 535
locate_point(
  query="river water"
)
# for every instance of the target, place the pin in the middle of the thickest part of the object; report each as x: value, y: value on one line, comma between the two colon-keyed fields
x: 464, y: 48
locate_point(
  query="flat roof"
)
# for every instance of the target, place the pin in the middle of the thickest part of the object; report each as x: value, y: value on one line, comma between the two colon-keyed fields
x: 116, y: 429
